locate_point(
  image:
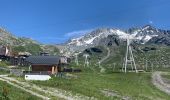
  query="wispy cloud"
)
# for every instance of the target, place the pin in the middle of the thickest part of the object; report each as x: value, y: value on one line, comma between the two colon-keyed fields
x: 77, y: 33
x: 61, y: 39
x: 150, y: 22
x: 49, y: 39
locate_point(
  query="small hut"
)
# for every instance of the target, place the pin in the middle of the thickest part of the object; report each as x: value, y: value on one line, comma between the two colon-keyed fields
x: 46, y: 64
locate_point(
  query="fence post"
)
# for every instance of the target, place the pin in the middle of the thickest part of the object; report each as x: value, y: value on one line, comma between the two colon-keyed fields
x: 146, y: 65
x: 114, y: 66
x: 152, y: 66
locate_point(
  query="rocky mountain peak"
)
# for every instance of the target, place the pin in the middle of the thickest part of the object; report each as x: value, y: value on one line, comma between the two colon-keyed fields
x: 101, y: 35
x: 148, y: 27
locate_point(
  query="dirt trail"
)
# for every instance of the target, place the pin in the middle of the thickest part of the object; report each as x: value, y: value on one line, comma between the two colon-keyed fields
x: 160, y: 83
x: 58, y: 93
x: 108, y: 54
x: 22, y: 88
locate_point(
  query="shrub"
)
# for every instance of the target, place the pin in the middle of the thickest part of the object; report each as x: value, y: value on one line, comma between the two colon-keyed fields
x: 5, y: 93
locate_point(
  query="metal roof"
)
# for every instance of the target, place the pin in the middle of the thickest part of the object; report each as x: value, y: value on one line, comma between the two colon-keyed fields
x: 44, y: 60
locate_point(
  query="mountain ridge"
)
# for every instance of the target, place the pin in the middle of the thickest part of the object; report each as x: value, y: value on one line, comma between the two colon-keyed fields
x: 24, y: 44
x: 97, y: 37
x: 142, y: 35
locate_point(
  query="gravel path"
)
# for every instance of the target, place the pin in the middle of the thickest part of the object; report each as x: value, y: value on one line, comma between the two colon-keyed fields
x: 108, y: 54
x: 159, y: 82
x: 58, y: 93
x: 22, y: 88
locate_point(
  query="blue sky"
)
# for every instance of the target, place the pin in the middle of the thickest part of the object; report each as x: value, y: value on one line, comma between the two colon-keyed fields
x: 55, y: 21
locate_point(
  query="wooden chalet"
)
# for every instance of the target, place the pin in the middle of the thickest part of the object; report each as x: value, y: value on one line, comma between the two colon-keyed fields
x: 20, y: 59
x: 47, y: 64
x: 44, y: 54
x: 5, y: 52
x: 14, y: 58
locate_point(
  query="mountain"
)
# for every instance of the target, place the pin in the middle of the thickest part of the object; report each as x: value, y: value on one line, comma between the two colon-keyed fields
x: 97, y: 37
x: 149, y: 34
x: 23, y: 44
x: 102, y: 36
x: 108, y: 46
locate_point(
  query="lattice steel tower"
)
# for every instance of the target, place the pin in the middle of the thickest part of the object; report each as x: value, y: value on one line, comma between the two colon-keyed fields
x: 129, y: 58
x: 86, y: 62
x: 76, y: 59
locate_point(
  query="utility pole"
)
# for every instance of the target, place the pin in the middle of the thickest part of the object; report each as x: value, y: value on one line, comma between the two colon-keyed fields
x: 152, y: 66
x: 76, y: 59
x: 123, y: 65
x: 99, y: 64
x: 146, y: 65
x: 114, y: 65
x: 86, y: 62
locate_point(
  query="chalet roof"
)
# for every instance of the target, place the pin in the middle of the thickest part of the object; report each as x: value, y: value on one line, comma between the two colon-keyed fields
x: 44, y: 60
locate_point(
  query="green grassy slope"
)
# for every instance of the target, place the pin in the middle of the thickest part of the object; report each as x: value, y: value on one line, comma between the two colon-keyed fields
x: 13, y: 93
x: 159, y: 58
x: 132, y: 85
x: 91, y: 82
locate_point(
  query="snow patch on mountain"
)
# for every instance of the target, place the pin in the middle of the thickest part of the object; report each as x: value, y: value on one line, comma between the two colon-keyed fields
x: 145, y: 28
x: 121, y: 34
x: 148, y: 37
x: 94, y: 36
x: 91, y: 38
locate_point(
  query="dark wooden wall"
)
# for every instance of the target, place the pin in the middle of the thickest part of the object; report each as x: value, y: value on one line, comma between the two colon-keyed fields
x: 41, y: 68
